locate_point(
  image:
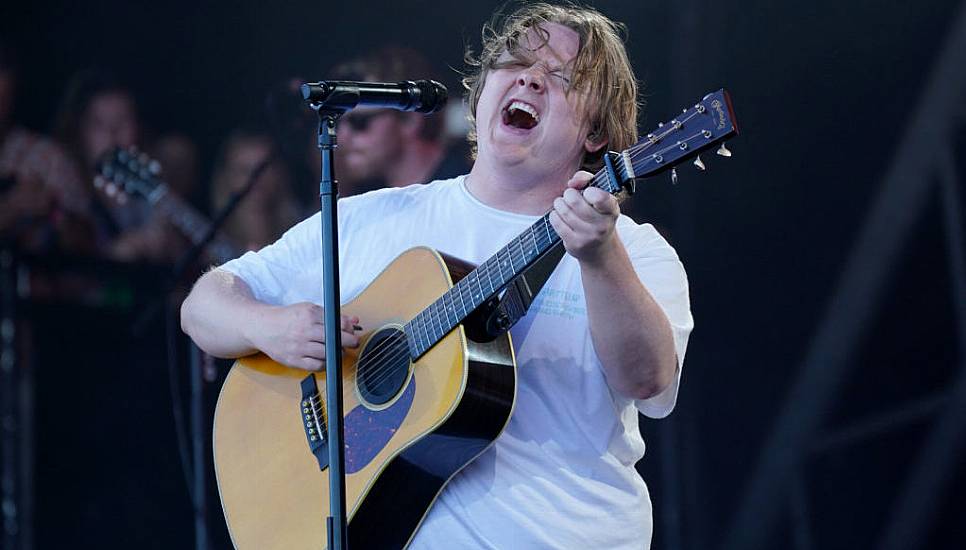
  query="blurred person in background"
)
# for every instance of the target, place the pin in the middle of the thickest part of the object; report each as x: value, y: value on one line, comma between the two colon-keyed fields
x: 270, y: 207
x: 390, y: 148
x: 43, y: 201
x: 98, y: 114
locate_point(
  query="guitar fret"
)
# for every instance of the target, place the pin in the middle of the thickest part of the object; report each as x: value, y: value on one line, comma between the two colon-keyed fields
x: 426, y: 340
x: 443, y: 309
x: 428, y: 325
x: 413, y: 324
x: 532, y: 238
x: 478, y: 299
x: 422, y: 325
x: 450, y: 305
x: 537, y: 237
x: 489, y: 276
x: 504, y: 274
x: 434, y: 315
x: 459, y: 291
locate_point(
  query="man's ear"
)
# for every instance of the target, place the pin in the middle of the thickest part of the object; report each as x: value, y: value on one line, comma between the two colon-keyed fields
x: 594, y: 143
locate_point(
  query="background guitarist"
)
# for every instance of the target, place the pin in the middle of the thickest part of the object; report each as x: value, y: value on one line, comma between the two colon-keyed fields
x: 605, y: 338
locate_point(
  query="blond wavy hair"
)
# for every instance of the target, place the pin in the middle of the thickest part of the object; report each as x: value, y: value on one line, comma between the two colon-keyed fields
x: 601, y: 69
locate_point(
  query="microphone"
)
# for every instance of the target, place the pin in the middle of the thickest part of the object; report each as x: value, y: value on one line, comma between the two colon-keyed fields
x: 422, y: 96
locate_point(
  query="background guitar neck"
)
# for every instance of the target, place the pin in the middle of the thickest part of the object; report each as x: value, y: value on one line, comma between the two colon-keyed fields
x: 191, y: 223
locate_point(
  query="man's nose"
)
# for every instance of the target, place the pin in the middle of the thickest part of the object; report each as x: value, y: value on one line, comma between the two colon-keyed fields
x: 531, y: 78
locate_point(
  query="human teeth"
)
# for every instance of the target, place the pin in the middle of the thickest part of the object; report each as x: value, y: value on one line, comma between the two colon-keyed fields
x: 525, y: 108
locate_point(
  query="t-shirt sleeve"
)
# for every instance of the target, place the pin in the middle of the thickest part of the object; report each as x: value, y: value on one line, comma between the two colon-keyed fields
x: 661, y: 272
x: 272, y: 271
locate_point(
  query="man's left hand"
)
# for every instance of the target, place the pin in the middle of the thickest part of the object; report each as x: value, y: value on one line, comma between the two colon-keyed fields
x: 585, y: 218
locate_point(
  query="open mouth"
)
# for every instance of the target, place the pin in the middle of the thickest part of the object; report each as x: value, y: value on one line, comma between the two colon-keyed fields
x: 518, y: 114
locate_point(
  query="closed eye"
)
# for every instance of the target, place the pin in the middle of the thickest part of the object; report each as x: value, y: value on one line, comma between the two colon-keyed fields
x: 561, y: 76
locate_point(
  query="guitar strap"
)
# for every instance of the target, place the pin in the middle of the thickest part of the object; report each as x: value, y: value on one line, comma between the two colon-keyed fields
x: 522, y: 289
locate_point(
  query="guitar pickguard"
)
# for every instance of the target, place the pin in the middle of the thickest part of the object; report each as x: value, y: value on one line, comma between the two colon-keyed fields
x: 367, y: 431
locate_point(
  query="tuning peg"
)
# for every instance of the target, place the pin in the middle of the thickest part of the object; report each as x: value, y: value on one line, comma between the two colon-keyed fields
x: 723, y: 151
x: 674, y: 176
x: 98, y: 182
x: 110, y: 189
x: 121, y: 198
x: 699, y: 163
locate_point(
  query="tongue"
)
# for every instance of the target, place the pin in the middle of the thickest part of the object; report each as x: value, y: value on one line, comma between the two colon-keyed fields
x: 518, y: 118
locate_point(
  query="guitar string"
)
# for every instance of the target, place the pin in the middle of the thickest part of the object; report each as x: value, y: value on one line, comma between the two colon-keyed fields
x: 435, y: 311
x: 384, y: 368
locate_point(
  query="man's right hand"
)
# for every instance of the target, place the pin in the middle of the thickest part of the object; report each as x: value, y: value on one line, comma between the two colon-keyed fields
x: 294, y: 335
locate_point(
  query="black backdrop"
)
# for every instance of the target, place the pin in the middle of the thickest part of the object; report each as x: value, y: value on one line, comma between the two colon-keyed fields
x: 823, y: 92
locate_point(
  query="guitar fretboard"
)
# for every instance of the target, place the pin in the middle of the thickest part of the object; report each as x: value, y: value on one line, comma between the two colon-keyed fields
x: 487, y: 280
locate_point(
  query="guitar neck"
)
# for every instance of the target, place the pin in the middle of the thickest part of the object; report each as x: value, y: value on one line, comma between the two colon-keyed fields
x: 487, y: 280
x: 191, y: 223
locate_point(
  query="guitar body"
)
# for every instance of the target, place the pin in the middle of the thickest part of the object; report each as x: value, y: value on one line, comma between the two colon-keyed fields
x: 449, y: 407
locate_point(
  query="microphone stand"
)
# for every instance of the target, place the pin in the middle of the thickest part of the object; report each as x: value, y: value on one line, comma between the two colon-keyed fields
x: 328, y: 194
x: 331, y: 100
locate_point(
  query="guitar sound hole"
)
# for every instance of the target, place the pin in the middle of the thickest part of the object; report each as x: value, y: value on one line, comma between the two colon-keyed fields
x: 383, y: 366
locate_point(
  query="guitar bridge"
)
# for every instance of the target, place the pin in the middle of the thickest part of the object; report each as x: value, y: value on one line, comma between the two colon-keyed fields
x: 312, y: 418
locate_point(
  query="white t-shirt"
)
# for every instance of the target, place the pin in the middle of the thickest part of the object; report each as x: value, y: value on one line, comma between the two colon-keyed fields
x: 562, y: 473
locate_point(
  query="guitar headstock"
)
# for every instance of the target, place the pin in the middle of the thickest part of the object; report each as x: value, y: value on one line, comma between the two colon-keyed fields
x: 123, y: 172
x: 706, y: 124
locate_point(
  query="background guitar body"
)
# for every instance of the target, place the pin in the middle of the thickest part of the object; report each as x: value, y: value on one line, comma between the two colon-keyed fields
x: 457, y: 400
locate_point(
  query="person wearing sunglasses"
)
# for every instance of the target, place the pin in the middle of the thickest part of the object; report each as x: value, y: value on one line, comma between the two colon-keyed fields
x: 388, y: 148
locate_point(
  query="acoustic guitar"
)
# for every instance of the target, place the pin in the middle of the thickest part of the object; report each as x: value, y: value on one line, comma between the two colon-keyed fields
x: 424, y: 394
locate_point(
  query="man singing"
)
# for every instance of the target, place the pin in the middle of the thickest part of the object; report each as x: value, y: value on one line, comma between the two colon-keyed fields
x: 604, y: 339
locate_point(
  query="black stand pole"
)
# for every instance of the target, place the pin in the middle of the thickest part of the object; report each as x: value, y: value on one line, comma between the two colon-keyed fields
x: 328, y: 193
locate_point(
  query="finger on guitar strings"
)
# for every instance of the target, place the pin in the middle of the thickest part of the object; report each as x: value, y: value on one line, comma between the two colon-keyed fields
x: 580, y: 206
x: 602, y: 201
x: 580, y: 180
x: 566, y: 214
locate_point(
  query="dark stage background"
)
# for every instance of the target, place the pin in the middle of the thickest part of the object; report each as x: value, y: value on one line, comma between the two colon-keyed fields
x: 823, y: 396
